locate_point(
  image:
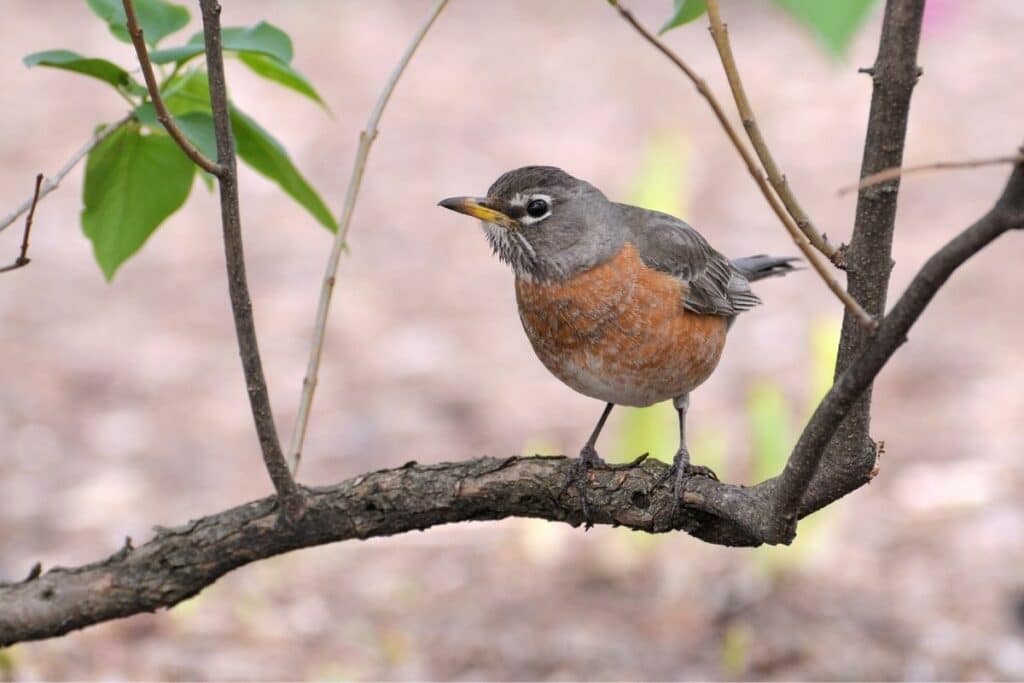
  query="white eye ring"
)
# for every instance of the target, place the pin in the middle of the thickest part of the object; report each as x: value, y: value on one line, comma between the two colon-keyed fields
x: 528, y: 219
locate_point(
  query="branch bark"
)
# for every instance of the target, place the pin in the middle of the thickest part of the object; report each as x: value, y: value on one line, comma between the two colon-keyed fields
x: 162, y: 115
x: 810, y: 254
x: 241, y: 303
x: 366, y: 138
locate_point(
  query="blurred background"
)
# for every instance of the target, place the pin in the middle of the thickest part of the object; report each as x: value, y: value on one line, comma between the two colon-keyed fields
x: 122, y: 405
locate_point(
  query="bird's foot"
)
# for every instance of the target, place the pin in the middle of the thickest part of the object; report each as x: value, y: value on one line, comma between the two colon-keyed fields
x: 588, y: 460
x: 678, y: 472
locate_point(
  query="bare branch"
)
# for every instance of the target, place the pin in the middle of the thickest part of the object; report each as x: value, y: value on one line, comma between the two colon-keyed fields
x: 51, y: 184
x: 805, y: 247
x: 241, y: 303
x: 894, y: 172
x: 162, y: 115
x: 23, y: 259
x: 366, y: 138
x: 720, y: 34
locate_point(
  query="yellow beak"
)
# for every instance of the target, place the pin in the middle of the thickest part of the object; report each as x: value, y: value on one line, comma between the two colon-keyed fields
x: 477, y: 208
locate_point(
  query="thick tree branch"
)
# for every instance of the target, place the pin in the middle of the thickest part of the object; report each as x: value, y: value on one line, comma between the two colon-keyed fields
x: 162, y: 115
x: 851, y: 457
x: 22, y: 258
x: 180, y: 562
x: 903, y: 171
x: 238, y: 287
x: 808, y: 251
x: 51, y: 184
x: 720, y: 34
x: 366, y: 138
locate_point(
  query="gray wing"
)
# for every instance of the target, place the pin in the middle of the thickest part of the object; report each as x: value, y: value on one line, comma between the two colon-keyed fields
x: 668, y: 244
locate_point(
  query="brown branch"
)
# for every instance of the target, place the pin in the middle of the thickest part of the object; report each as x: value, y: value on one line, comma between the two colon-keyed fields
x: 808, y: 251
x: 366, y: 138
x: 1007, y: 214
x: 238, y: 287
x: 51, y: 184
x: 894, y: 172
x: 851, y: 456
x: 162, y: 115
x: 23, y: 259
x: 180, y: 562
x: 720, y: 35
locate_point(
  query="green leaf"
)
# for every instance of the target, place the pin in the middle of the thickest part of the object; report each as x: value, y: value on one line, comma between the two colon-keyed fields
x: 834, y: 22
x: 259, y: 149
x: 685, y: 12
x: 157, y: 18
x: 263, y: 38
x: 189, y: 93
x: 282, y: 73
x: 72, y: 61
x: 133, y: 182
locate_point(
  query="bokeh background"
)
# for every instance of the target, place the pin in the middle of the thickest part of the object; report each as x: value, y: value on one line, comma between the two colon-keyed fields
x: 122, y: 405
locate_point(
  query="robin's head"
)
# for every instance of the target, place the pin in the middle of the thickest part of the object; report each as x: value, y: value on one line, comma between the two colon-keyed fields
x: 543, y: 222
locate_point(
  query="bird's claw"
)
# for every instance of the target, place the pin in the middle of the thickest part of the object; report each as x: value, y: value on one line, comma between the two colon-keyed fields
x: 588, y: 460
x: 679, y: 471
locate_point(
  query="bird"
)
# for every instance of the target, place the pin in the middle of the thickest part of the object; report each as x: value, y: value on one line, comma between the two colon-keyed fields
x: 623, y: 304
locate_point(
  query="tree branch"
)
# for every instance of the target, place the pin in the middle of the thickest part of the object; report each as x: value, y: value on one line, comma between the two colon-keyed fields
x: 241, y: 304
x: 857, y: 377
x: 850, y: 460
x: 180, y: 562
x: 809, y: 253
x: 162, y: 115
x: 23, y: 259
x: 51, y: 184
x: 720, y: 34
x: 366, y: 138
x: 901, y: 171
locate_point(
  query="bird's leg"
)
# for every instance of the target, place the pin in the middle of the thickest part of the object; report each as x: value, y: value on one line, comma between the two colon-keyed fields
x: 588, y: 459
x: 681, y: 467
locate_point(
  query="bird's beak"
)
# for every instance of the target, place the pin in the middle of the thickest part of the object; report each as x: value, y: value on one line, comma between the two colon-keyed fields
x: 477, y: 207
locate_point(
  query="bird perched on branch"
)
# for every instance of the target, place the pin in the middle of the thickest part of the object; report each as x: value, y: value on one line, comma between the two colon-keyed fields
x: 625, y: 305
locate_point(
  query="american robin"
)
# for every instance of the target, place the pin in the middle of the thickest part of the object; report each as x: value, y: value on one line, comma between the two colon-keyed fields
x: 623, y: 304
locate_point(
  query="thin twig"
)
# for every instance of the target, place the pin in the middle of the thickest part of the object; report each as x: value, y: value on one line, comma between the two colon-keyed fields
x: 720, y: 34
x: 50, y: 184
x: 900, y: 171
x: 366, y: 138
x: 162, y: 115
x: 23, y: 259
x: 798, y: 237
x: 288, y: 493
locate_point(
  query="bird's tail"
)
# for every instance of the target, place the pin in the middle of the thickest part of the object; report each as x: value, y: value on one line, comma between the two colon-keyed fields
x: 761, y: 266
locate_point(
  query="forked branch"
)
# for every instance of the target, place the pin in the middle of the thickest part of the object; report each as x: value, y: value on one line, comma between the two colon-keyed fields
x: 162, y: 114
x: 288, y: 492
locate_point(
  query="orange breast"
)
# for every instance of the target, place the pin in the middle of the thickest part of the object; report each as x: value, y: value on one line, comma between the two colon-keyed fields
x: 619, y: 332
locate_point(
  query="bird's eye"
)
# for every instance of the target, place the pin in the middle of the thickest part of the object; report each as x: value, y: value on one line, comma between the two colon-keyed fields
x: 537, y: 208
